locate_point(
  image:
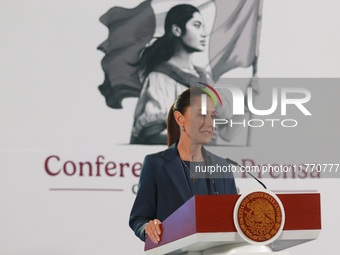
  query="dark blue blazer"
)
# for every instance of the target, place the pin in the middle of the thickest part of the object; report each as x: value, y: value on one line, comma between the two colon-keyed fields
x: 163, y: 187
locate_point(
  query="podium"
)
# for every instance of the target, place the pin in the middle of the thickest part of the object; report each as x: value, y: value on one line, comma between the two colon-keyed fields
x: 204, y: 225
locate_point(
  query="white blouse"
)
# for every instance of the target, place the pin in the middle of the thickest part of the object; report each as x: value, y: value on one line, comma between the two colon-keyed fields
x: 158, y: 93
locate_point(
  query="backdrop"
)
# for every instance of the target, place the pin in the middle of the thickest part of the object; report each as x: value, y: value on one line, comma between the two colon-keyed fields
x: 68, y: 174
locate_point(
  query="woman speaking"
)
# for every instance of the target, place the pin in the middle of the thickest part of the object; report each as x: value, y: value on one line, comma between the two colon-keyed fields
x: 167, y: 178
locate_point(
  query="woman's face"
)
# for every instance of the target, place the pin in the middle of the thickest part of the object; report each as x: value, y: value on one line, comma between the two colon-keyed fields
x: 195, y: 35
x: 200, y: 127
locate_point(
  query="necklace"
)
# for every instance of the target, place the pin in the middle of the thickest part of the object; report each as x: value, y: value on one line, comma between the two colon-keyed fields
x: 193, y: 175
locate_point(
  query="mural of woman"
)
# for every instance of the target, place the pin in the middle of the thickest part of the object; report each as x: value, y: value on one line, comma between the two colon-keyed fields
x: 157, y: 71
x: 166, y: 69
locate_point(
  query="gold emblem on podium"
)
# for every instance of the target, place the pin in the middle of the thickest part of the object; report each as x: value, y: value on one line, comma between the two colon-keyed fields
x: 259, y: 217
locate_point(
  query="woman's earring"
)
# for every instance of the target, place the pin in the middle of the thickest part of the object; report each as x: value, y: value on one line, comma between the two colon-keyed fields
x: 183, y: 129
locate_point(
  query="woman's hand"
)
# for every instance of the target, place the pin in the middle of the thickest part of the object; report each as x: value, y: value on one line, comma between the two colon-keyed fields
x: 254, y: 83
x: 153, y: 230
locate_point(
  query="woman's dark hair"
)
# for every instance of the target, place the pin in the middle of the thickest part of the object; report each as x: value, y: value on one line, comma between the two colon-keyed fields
x: 183, y: 101
x: 164, y: 47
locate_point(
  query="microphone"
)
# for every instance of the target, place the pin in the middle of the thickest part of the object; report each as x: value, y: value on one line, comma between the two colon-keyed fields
x: 236, y: 164
x: 210, y: 163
